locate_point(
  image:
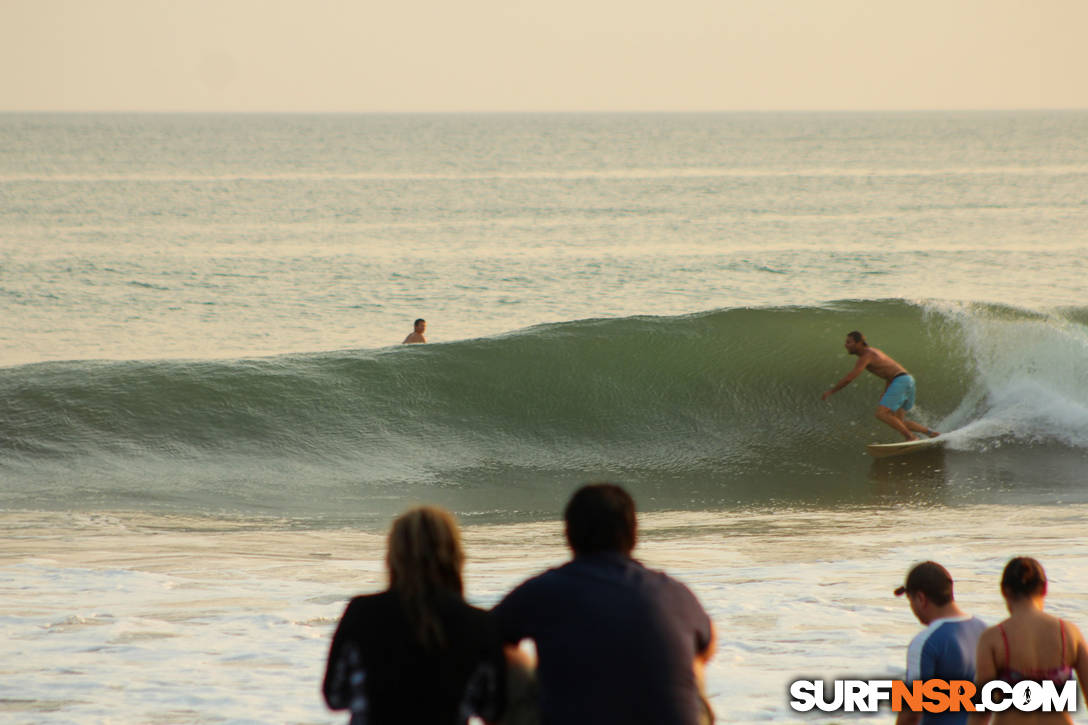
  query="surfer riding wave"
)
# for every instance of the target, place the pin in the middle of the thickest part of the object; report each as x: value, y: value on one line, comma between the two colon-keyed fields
x: 898, y: 395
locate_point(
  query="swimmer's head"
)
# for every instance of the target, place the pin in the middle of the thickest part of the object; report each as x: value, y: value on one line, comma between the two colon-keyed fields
x: 420, y: 325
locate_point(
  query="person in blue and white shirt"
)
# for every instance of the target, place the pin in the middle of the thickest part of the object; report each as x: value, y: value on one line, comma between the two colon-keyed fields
x: 945, y: 649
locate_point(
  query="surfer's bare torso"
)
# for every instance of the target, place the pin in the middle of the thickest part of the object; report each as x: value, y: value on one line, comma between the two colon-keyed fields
x: 872, y: 359
x: 880, y: 364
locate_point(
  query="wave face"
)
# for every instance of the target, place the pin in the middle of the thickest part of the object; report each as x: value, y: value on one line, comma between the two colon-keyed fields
x: 713, y: 407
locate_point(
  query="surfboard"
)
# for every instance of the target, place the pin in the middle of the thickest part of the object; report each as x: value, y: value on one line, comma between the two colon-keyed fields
x: 883, y: 450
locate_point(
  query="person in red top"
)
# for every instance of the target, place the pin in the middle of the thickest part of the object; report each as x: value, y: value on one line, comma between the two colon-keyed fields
x: 1030, y: 644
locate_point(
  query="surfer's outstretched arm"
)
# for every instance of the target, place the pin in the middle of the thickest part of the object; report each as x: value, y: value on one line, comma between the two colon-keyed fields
x: 859, y: 368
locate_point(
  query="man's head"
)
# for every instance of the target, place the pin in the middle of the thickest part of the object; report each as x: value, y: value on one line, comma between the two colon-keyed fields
x: 420, y: 325
x: 928, y: 589
x: 600, y: 518
x: 855, y: 342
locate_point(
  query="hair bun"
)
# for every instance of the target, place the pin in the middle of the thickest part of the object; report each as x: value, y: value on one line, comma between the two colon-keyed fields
x: 1023, y: 577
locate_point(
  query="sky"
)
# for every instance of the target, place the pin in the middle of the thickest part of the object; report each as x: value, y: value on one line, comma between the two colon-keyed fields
x: 541, y: 55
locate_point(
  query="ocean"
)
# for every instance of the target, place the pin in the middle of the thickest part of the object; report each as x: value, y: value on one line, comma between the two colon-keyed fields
x: 207, y: 421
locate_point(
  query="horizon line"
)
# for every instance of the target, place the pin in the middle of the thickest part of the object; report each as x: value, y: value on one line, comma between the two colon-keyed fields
x: 513, y: 112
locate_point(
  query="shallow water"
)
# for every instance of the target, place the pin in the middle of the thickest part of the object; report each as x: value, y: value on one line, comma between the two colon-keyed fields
x: 135, y: 618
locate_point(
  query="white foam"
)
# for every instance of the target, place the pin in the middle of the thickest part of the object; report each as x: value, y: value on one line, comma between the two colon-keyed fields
x: 114, y: 624
x: 1030, y: 382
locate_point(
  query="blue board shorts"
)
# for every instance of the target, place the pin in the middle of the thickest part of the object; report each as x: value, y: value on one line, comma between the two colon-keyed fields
x: 900, y: 393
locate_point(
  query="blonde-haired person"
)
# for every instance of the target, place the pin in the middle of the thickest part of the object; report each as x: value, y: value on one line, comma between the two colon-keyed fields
x: 1030, y: 644
x: 417, y: 652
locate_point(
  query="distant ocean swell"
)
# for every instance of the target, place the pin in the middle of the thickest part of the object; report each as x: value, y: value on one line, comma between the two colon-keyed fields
x: 721, y: 396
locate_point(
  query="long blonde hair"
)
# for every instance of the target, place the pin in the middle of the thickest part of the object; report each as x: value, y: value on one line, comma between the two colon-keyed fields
x: 425, y: 558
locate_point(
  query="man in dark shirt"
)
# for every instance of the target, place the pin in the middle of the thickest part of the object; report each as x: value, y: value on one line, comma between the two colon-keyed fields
x: 616, y: 642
